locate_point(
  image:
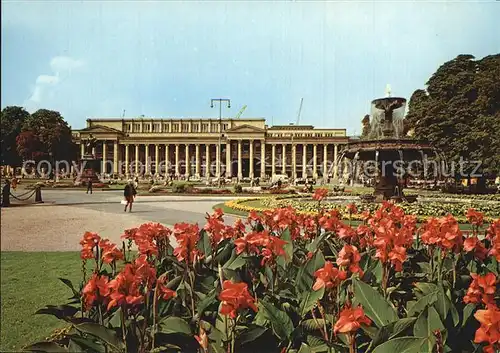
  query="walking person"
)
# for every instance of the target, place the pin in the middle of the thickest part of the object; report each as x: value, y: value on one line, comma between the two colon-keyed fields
x: 129, y: 192
x: 89, y: 185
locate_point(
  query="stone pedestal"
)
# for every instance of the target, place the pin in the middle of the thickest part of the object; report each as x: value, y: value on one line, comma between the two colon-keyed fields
x: 88, y: 169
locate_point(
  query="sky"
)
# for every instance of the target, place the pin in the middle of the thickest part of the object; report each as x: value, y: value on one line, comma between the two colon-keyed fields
x: 167, y: 59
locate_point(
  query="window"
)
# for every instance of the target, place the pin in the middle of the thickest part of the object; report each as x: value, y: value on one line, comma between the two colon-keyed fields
x: 204, y: 127
x: 156, y: 127
x: 137, y: 128
x: 147, y: 127
x: 166, y: 128
x: 175, y: 127
x: 196, y: 127
x: 214, y: 128
x: 128, y: 127
x: 224, y: 127
x: 185, y: 127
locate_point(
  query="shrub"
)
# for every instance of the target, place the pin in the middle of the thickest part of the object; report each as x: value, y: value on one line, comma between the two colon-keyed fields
x: 289, y: 283
x: 181, y: 187
x: 238, y: 189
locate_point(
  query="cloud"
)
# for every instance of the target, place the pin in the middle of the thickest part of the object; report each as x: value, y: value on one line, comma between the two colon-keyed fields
x: 62, y: 67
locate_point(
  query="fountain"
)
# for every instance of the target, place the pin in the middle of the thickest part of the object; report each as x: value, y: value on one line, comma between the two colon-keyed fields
x: 386, y: 144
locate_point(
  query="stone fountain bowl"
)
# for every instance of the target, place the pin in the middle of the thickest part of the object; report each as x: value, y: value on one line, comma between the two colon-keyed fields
x: 411, y: 148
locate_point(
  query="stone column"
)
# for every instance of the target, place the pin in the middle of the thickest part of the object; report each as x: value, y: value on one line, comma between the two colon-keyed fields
x: 304, y: 160
x: 229, y: 171
x: 262, y: 158
x: 207, y: 160
x: 167, y: 161
x: 294, y: 161
x: 315, y: 161
x: 217, y: 160
x: 240, y: 166
x: 283, y: 159
x: 273, y: 158
x: 188, y: 162
x: 335, y: 162
x: 177, y: 159
x: 325, y: 161
x: 197, y: 153
x: 157, y: 158
x: 127, y: 160
x: 250, y: 146
x: 115, y: 158
x: 146, y: 157
x: 104, y: 152
x: 82, y: 149
x: 136, y: 159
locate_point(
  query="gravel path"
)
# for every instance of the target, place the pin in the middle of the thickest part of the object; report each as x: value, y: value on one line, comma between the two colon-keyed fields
x: 59, y: 223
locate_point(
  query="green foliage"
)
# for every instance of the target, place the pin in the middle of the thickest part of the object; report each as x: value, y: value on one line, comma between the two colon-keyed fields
x: 11, y: 122
x: 181, y: 187
x: 459, y: 112
x: 248, y: 290
x: 52, y: 133
x: 238, y: 189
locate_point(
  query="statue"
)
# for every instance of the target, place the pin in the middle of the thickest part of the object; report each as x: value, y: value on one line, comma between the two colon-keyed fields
x: 90, y: 143
x: 366, y: 126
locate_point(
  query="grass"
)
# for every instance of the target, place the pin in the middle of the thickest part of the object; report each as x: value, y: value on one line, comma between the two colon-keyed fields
x: 28, y: 283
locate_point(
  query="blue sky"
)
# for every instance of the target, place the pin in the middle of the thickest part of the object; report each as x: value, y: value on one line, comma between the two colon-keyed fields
x: 169, y: 58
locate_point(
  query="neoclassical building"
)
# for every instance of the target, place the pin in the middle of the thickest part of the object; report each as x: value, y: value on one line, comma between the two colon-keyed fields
x: 212, y: 147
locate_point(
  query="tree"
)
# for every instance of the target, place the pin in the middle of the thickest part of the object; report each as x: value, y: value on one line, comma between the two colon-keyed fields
x: 11, y: 121
x: 459, y: 111
x: 29, y: 146
x: 52, y: 133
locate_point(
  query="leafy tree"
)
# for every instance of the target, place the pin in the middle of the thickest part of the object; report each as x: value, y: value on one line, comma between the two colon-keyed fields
x: 52, y: 133
x: 29, y: 146
x: 12, y: 119
x: 459, y: 111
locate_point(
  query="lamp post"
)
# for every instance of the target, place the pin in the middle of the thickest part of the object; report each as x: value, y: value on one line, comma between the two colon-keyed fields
x: 219, y: 151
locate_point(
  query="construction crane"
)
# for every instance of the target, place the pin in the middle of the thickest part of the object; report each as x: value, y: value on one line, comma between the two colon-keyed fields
x: 300, y: 111
x: 240, y: 112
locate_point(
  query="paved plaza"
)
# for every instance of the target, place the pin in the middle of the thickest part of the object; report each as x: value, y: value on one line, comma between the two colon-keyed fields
x: 58, y: 224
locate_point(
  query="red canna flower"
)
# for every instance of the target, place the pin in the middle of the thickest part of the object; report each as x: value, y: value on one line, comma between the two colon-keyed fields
x: 274, y: 247
x: 89, y: 242
x: 320, y: 194
x: 349, y: 258
x: 234, y: 297
x: 164, y: 292
x: 187, y: 236
x: 489, y: 331
x: 328, y: 276
x: 443, y: 232
x: 96, y: 290
x: 474, y: 217
x: 350, y: 320
x: 130, y: 285
x: 109, y: 252
x: 473, y: 244
x: 482, y: 288
x: 351, y: 208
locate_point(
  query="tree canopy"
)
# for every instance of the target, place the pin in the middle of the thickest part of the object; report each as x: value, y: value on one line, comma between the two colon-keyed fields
x: 43, y: 134
x: 12, y: 120
x: 459, y: 111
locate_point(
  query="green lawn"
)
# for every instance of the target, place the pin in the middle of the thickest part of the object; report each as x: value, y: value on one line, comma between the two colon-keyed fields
x: 28, y: 283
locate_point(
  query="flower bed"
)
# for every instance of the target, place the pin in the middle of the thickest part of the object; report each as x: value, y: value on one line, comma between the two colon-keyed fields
x: 421, y: 210
x: 289, y: 282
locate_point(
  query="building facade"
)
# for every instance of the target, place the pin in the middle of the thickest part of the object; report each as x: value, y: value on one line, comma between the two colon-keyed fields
x: 242, y: 148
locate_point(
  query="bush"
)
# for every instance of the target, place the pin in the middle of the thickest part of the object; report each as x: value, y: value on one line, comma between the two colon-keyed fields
x: 238, y: 189
x: 291, y: 282
x: 181, y: 187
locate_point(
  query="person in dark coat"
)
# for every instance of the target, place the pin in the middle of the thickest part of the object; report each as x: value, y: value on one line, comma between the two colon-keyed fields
x: 89, y: 185
x: 129, y: 192
x: 6, y: 194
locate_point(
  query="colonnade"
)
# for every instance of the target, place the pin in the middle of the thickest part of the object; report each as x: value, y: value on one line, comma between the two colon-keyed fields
x: 190, y: 163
